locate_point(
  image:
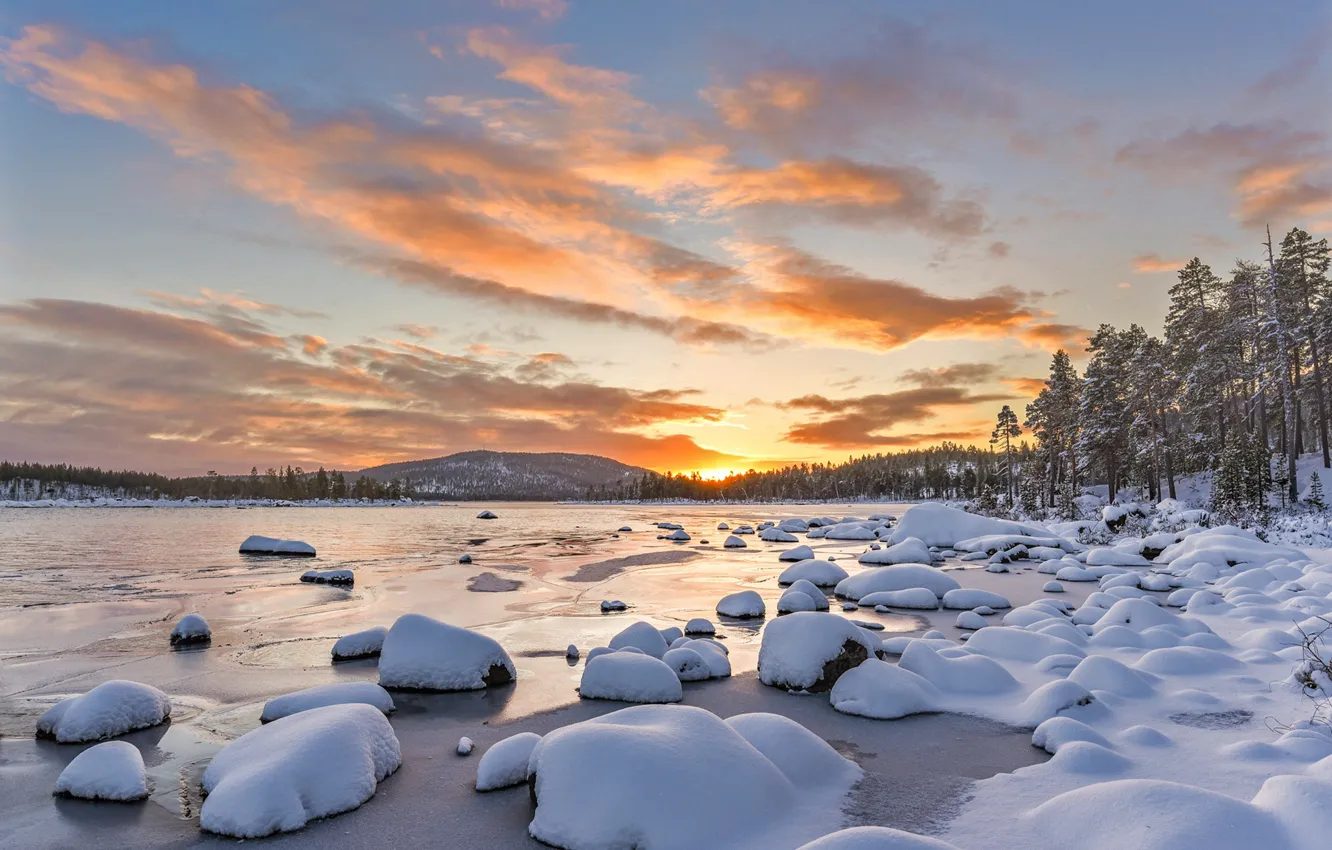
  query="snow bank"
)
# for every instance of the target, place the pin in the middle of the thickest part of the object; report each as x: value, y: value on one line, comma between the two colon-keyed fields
x: 109, y: 771
x: 309, y: 765
x: 970, y: 597
x: 884, y: 691
x: 360, y: 644
x: 338, y: 693
x: 649, y: 777
x: 940, y: 525
x: 810, y: 650
x: 257, y: 544
x: 777, y: 535
x: 743, y: 605
x: 919, y: 598
x: 505, y: 763
x: 191, y: 628
x: 630, y: 677
x: 897, y: 577
x: 974, y: 674
x: 1020, y: 645
x: 876, y: 838
x: 421, y: 653
x: 110, y: 709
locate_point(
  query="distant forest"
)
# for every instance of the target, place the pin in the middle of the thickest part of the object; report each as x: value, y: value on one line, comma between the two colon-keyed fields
x: 23, y: 481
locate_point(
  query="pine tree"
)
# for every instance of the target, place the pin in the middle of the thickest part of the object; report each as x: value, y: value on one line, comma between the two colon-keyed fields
x: 1104, y: 417
x: 1053, y: 419
x: 1006, y: 428
x: 1316, y: 499
x: 1200, y: 354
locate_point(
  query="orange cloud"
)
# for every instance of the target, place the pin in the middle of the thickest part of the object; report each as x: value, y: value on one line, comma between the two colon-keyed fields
x: 859, y: 422
x: 1153, y: 263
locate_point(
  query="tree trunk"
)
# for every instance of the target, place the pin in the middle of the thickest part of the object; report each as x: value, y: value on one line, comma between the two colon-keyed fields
x: 1287, y: 402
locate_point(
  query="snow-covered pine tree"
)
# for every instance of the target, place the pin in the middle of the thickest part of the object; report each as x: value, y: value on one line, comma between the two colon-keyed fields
x: 1103, y: 416
x: 1052, y: 417
x: 1201, y: 353
x: 1316, y: 499
x: 1006, y: 428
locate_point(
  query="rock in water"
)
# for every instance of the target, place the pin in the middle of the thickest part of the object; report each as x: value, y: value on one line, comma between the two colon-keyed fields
x: 421, y: 653
x: 257, y: 544
x: 110, y: 709
x: 191, y: 628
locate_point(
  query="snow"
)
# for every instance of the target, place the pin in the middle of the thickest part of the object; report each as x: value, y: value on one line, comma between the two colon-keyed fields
x: 629, y: 677
x: 876, y: 838
x: 920, y: 598
x: 687, y: 664
x: 648, y: 776
x: 970, y: 597
x: 329, y: 576
x: 1106, y: 557
x: 910, y: 551
x: 486, y: 515
x: 742, y: 605
x: 110, y: 709
x: 257, y: 544
x: 802, y: 756
x: 1075, y: 573
x: 421, y: 653
x: 678, y: 535
x: 338, y: 693
x: 970, y: 674
x: 505, y: 763
x: 1017, y: 644
x: 794, y: 525
x: 642, y: 635
x: 897, y: 577
x: 112, y: 770
x: 310, y: 765
x: 191, y: 628
x: 884, y: 691
x: 799, y: 553
x: 811, y: 590
x: 970, y: 620
x: 848, y: 531
x: 465, y: 746
x: 733, y: 542
x: 777, y: 535
x: 940, y: 525
x: 1052, y: 587
x: 795, y: 601
x: 817, y: 572
x: 360, y: 644
x: 809, y: 650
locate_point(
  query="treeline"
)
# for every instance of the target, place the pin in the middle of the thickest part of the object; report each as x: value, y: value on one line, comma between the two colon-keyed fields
x: 1236, y: 385
x: 28, y: 481
x: 947, y: 471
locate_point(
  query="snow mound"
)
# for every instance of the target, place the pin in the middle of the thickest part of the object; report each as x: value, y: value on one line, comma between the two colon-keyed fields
x: 465, y: 746
x: 110, y: 709
x: 679, y: 535
x: 742, y: 605
x: 486, y: 515
x: 876, y: 838
x: 811, y: 590
x: 803, y: 757
x: 940, y: 525
x: 421, y: 653
x: 919, y: 598
x: 810, y: 650
x: 191, y: 628
x: 1020, y: 645
x: 910, y: 551
x: 505, y: 763
x: 1055, y: 733
x: 630, y: 677
x: 1186, y: 661
x: 700, y: 626
x: 648, y: 777
x: 360, y: 644
x: 1152, y: 815
x: 969, y: 597
x: 798, y: 553
x: 108, y: 771
x: 338, y: 693
x: 642, y: 635
x: 849, y: 531
x: 1074, y: 573
x: 973, y: 674
x: 814, y: 571
x: 687, y: 664
x: 1050, y: 699
x: 776, y: 535
x: 884, y: 691
x: 1107, y: 557
x: 309, y: 765
x: 733, y: 542
x: 970, y: 620
x: 1103, y: 673
x: 257, y: 544
x: 896, y: 577
x: 1052, y: 587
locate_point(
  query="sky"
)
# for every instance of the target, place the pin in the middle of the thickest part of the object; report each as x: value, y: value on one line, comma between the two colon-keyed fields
x: 692, y: 236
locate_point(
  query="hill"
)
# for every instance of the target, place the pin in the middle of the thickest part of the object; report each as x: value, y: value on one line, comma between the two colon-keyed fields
x: 506, y: 475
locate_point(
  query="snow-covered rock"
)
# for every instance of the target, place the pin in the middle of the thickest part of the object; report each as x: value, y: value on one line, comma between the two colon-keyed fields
x: 884, y: 691
x: 612, y: 605
x: 647, y: 777
x: 1020, y: 645
x: 940, y: 525
x: 642, y: 635
x: 360, y: 644
x: 968, y: 674
x: 1107, y: 557
x: 897, y: 577
x: 808, y: 651
x: 486, y: 515
x: 687, y: 664
x: 970, y: 620
x: 309, y: 765
x: 337, y: 577
x: 337, y: 693
x: 798, y: 553
x: 112, y: 770
x: 849, y: 531
x: 505, y: 763
x: 679, y: 535
x: 629, y: 677
x: 970, y: 597
x: 421, y: 653
x: 733, y: 542
x: 110, y: 709
x: 817, y: 572
x: 1052, y: 587
x: 794, y: 601
x: 191, y: 628
x: 257, y: 544
x: 910, y: 551
x: 465, y: 746
x: 776, y: 535
x: 794, y: 525
x: 919, y: 598
x: 700, y: 626
x: 744, y: 605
